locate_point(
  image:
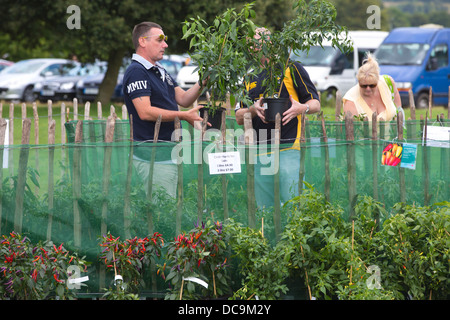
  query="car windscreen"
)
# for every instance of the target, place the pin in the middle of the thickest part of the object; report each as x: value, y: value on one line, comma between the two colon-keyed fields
x: 401, y: 53
x: 87, y: 70
x: 25, y: 67
x: 317, y: 56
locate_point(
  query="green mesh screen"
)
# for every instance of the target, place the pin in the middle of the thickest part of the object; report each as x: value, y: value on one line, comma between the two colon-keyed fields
x: 75, y: 192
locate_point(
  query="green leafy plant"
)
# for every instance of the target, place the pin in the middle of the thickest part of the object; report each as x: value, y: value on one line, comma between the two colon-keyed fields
x: 221, y: 51
x: 316, y: 242
x: 35, y: 271
x: 200, y: 254
x: 313, y: 23
x: 263, y: 269
x: 415, y: 251
x: 129, y: 259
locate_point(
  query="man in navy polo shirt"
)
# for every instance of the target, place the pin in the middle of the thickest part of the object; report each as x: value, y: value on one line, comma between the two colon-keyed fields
x: 149, y: 91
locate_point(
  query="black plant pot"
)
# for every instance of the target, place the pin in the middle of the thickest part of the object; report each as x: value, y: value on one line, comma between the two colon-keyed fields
x: 214, y: 116
x: 275, y: 106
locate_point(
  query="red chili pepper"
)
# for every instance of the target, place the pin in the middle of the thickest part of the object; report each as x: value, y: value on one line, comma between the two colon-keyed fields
x: 56, y: 278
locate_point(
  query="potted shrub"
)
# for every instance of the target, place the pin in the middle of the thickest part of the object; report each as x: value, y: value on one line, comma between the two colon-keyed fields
x: 39, y: 271
x: 313, y: 22
x: 221, y: 52
x: 197, y: 263
x: 128, y: 259
x: 225, y: 50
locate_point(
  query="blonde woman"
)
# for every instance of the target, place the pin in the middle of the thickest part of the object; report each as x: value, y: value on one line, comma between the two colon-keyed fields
x: 373, y: 93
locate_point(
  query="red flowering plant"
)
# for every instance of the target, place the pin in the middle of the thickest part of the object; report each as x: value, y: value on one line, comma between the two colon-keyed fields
x: 129, y: 258
x: 197, y: 263
x: 36, y: 272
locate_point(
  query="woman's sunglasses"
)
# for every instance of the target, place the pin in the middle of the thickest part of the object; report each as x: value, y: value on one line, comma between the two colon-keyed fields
x: 367, y: 85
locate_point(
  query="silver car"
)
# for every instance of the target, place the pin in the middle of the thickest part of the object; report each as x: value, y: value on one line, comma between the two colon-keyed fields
x: 17, y: 81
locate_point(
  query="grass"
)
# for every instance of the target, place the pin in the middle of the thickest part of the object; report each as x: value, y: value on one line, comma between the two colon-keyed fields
x: 42, y: 110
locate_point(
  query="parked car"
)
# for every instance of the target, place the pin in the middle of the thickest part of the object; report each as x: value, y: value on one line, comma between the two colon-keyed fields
x: 4, y: 64
x: 88, y: 88
x: 417, y: 58
x: 64, y: 87
x: 171, y: 66
x: 18, y: 80
x: 187, y: 76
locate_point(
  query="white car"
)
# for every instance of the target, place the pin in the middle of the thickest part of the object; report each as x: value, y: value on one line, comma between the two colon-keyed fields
x: 17, y: 81
x: 187, y: 77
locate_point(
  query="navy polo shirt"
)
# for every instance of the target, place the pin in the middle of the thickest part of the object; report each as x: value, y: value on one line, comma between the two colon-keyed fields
x: 142, y: 78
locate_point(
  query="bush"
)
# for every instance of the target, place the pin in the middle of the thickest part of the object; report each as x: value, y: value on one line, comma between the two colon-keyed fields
x: 35, y: 271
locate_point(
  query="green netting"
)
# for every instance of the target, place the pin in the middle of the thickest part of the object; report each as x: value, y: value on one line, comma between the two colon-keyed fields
x: 75, y: 192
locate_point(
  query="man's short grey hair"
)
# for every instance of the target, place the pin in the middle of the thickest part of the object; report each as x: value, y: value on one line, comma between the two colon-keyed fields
x: 141, y: 29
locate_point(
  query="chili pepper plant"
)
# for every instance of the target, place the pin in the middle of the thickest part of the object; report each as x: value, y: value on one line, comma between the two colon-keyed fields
x: 35, y: 271
x: 200, y: 254
x: 130, y: 257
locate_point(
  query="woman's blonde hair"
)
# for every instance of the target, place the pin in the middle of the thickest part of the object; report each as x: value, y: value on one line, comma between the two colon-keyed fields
x: 369, y: 71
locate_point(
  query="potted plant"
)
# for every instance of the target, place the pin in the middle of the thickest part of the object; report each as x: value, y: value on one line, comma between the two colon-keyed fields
x: 128, y: 259
x: 197, y: 263
x: 225, y: 50
x: 313, y: 22
x: 221, y: 52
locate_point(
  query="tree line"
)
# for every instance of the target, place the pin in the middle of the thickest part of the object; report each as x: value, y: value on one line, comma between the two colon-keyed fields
x: 41, y: 28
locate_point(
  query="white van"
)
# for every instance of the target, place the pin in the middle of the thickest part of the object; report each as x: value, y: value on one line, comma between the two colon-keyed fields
x: 330, y: 70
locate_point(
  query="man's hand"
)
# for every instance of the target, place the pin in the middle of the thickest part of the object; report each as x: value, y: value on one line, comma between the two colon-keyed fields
x: 295, y: 109
x: 192, y: 115
x: 260, y: 111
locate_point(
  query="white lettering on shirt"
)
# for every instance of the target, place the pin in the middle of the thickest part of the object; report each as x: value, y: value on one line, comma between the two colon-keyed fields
x: 137, y: 85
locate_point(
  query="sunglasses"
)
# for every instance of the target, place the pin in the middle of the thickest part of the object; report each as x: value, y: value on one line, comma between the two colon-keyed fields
x: 160, y: 36
x: 367, y: 85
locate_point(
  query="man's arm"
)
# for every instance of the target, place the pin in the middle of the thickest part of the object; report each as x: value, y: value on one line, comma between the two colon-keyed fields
x: 147, y: 112
x: 186, y: 98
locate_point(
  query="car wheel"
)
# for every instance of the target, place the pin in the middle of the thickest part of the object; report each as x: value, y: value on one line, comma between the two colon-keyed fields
x: 28, y: 95
x: 422, y: 101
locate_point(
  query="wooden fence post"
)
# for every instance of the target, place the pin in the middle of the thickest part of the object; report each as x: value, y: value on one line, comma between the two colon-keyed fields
x: 180, y: 189
x: 375, y: 157
x: 249, y: 143
x: 426, y: 173
x: 338, y: 105
x: 11, y: 138
x: 327, y: 182
x: 351, y: 170
x: 63, y: 120
x: 150, y: 175
x: 109, y: 137
x: 200, y: 184
x: 22, y: 175
x: 401, y: 172
x: 430, y: 103
x: 51, y: 156
x: 301, y: 173
x: 99, y: 110
x: 76, y: 184
x: 412, y: 105
x: 223, y: 129
x: 127, y: 205
x: 276, y: 179
x: 36, y: 136
x: 3, y: 125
